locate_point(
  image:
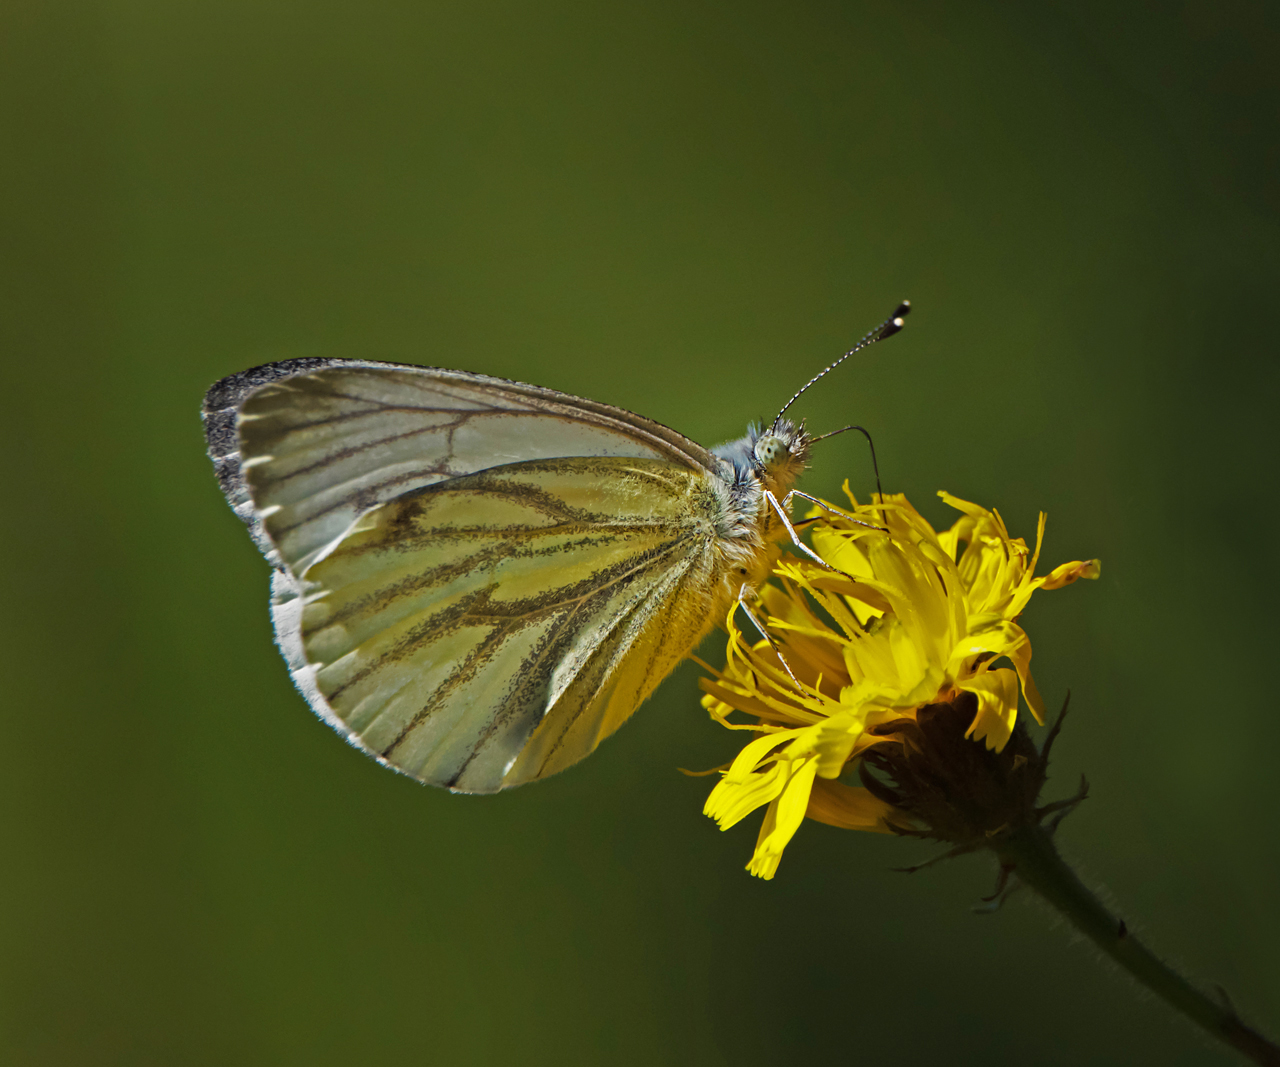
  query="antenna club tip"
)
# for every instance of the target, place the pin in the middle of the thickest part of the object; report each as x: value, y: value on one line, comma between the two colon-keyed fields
x: 887, y: 329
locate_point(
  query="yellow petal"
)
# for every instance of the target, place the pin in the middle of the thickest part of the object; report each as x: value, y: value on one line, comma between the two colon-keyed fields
x: 832, y: 742
x: 975, y: 511
x: 1035, y: 556
x: 993, y: 634
x: 850, y: 807
x: 783, y: 820
x: 997, y: 693
x: 732, y: 801
x: 765, y: 865
x: 754, y: 752
x: 1069, y: 572
x: 843, y: 553
x: 1021, y: 659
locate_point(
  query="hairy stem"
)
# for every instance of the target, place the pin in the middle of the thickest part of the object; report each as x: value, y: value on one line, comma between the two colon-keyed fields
x: 1031, y: 854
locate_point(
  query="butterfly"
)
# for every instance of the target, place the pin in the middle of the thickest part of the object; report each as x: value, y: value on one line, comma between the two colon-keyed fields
x: 476, y: 581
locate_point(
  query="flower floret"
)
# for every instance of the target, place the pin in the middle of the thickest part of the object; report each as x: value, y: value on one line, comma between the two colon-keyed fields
x: 902, y: 617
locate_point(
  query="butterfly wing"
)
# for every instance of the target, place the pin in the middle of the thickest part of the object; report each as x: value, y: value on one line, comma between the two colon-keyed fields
x: 475, y: 630
x: 494, y: 628
x: 303, y: 447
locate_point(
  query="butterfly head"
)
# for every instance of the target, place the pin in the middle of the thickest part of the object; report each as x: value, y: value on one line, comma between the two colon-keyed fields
x: 772, y: 457
x: 779, y: 453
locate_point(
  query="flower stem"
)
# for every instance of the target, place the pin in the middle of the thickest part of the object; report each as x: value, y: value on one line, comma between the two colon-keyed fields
x: 1030, y: 852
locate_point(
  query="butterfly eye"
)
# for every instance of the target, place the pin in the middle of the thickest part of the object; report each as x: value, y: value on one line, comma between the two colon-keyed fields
x: 771, y: 450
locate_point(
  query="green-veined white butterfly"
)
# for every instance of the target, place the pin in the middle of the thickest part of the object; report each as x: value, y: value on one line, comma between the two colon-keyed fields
x: 477, y: 581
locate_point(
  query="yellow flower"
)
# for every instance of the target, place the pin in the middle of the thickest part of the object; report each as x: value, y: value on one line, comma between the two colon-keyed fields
x: 908, y: 618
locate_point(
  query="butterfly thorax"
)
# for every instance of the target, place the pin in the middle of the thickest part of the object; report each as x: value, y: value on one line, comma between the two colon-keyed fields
x: 760, y: 464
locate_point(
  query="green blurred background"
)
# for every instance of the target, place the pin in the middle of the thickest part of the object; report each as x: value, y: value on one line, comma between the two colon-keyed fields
x: 684, y: 209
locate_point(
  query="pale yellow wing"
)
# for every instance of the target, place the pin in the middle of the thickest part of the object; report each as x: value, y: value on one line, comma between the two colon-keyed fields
x: 304, y: 447
x: 495, y: 628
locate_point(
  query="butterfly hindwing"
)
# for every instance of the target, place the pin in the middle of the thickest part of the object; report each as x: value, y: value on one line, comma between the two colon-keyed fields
x: 493, y: 628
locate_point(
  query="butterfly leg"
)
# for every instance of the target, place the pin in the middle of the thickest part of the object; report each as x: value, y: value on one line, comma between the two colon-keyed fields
x: 795, y: 537
x: 786, y: 503
x: 742, y: 603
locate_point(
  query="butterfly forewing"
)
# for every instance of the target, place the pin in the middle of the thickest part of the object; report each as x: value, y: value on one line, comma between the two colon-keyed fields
x: 494, y: 628
x: 306, y: 446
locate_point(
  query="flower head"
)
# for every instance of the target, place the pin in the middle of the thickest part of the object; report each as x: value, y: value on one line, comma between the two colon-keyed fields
x: 908, y: 619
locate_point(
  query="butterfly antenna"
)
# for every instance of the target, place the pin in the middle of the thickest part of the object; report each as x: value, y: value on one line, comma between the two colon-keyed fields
x: 870, y: 444
x: 886, y: 329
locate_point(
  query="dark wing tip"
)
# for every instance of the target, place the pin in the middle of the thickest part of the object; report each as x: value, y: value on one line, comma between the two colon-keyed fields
x: 232, y: 390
